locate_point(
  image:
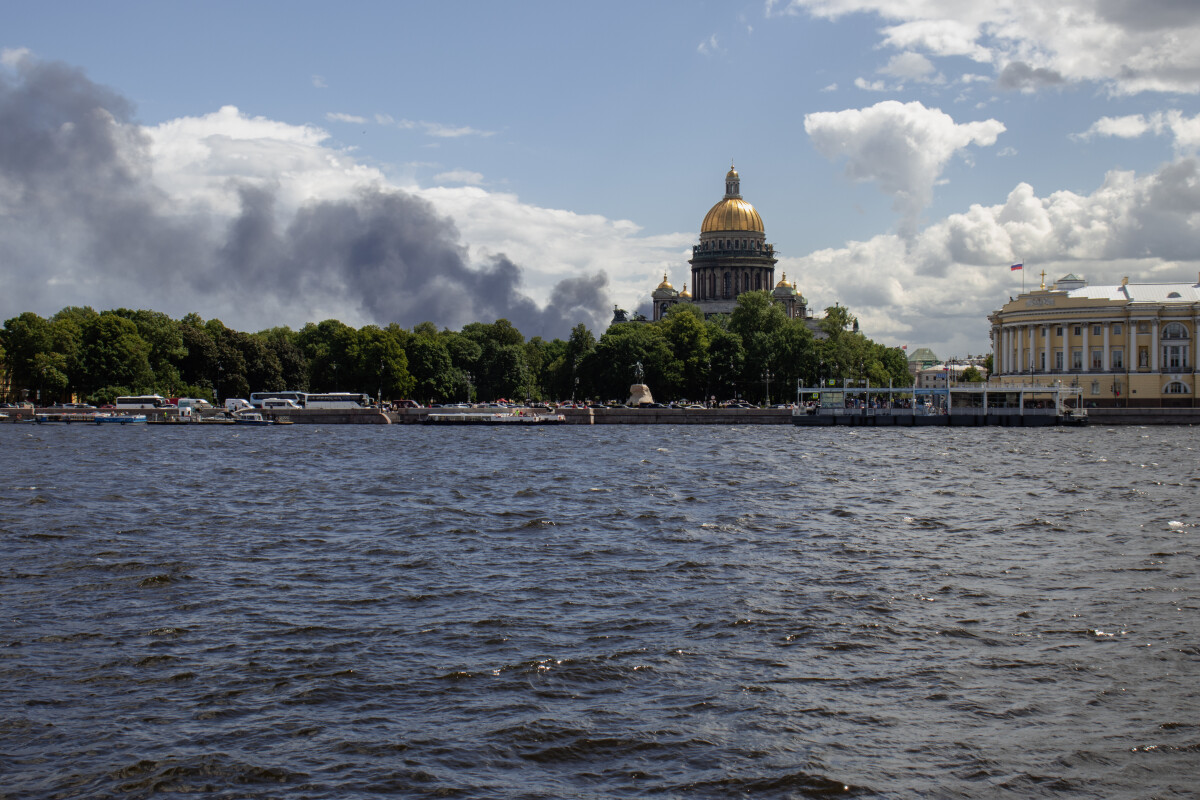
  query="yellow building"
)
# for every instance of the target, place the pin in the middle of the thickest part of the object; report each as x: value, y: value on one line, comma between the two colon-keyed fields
x: 1127, y: 345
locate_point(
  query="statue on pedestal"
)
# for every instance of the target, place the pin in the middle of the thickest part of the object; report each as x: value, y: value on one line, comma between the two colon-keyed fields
x: 639, y: 393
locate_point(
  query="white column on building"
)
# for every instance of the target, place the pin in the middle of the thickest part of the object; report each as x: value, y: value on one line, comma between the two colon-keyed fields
x: 1131, y: 362
x: 1107, y: 360
x: 1046, y: 349
x: 1017, y: 348
x: 1008, y: 349
x: 1195, y: 332
x: 1002, y: 350
x: 1027, y: 347
x: 1032, y: 360
x: 998, y: 349
x: 1087, y: 357
x: 1154, y: 345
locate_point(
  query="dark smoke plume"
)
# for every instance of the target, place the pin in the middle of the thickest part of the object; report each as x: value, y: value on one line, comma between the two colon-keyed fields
x: 81, y: 223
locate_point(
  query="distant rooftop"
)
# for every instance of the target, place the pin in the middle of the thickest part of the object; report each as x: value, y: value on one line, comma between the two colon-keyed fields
x: 1076, y: 286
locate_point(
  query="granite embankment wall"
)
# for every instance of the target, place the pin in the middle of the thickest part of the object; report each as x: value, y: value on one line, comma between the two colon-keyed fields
x: 636, y: 416
x: 664, y: 416
x: 1143, y: 416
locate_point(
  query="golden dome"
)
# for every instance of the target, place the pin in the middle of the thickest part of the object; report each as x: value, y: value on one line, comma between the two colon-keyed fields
x: 665, y: 284
x: 733, y: 173
x: 783, y: 283
x: 732, y: 214
x: 684, y: 293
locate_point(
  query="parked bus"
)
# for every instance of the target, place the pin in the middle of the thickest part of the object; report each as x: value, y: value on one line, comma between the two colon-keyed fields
x: 141, y: 401
x: 256, y: 398
x: 337, y: 400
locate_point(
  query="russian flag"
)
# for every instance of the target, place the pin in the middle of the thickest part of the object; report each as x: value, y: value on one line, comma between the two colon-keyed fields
x: 1015, y: 267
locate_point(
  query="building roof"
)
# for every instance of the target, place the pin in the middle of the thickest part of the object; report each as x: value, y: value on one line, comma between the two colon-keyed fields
x: 923, y: 354
x: 1141, y: 292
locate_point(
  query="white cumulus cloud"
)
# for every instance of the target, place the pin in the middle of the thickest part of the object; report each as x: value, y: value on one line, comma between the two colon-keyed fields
x: 1126, y: 46
x: 904, y: 147
x: 1185, y: 131
x: 937, y: 288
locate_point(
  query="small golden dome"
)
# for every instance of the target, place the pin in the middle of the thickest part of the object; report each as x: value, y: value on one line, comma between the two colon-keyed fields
x: 665, y: 284
x: 733, y: 173
x: 783, y: 283
x: 684, y: 293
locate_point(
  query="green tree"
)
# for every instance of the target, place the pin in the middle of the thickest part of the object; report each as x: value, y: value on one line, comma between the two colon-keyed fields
x: 167, y: 350
x: 51, y: 370
x: 114, y: 354
x: 837, y: 320
x: 972, y: 375
x: 688, y: 338
x: 624, y: 345
x: 329, y: 346
x: 503, y: 372
x: 727, y: 358
x: 198, y: 368
x: 293, y: 365
x: 66, y: 335
x: 25, y: 336
x: 263, y: 370
x: 435, y: 378
x: 383, y: 363
x: 231, y: 364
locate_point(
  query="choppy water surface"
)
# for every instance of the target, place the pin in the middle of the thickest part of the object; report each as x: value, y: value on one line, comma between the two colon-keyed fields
x: 601, y: 612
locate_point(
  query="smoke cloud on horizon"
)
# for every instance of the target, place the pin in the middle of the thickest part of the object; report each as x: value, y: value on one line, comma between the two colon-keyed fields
x: 82, y: 222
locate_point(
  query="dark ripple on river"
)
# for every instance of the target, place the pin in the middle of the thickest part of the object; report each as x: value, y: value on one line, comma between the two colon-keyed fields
x: 608, y: 612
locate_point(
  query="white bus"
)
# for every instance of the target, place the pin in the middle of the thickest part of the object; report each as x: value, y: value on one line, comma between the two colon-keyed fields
x: 256, y: 398
x: 337, y: 400
x: 141, y: 401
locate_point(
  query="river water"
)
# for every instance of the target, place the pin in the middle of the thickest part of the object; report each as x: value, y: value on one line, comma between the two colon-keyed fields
x: 604, y: 612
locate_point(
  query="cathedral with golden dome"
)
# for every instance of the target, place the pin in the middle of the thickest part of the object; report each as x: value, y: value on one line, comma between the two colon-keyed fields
x: 733, y: 256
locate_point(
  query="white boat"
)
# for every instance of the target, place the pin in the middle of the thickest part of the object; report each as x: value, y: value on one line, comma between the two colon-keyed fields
x: 255, y: 418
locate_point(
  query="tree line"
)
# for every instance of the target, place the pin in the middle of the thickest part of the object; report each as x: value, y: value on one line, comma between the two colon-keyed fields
x: 97, y: 356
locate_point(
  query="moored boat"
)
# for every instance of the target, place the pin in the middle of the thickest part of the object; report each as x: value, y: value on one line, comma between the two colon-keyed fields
x: 117, y: 419
x: 494, y: 419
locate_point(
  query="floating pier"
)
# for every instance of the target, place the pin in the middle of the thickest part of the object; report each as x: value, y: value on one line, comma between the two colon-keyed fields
x: 1025, y: 407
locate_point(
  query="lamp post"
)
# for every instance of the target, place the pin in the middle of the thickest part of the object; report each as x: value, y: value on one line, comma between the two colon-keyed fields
x: 707, y: 380
x: 767, y: 379
x: 380, y: 397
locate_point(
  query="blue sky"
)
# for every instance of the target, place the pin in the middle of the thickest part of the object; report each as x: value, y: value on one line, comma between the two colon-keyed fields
x: 902, y: 154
